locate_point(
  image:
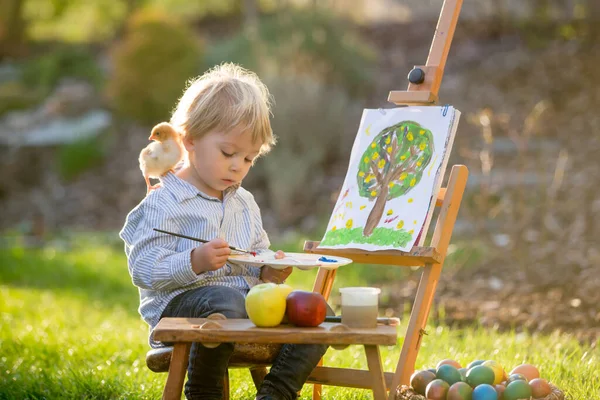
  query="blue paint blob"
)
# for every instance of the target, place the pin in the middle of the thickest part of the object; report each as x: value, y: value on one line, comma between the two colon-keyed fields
x: 325, y: 259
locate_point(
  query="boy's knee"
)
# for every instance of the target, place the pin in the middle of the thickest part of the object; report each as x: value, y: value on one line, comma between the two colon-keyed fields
x: 231, y: 304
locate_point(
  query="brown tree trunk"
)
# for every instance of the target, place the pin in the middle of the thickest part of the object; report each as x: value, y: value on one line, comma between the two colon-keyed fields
x: 377, y: 211
x: 12, y: 28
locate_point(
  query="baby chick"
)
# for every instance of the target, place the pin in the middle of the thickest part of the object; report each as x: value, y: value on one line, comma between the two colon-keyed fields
x: 162, y: 155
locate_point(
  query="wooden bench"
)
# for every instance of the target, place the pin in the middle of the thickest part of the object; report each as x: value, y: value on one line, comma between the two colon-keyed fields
x: 211, y: 332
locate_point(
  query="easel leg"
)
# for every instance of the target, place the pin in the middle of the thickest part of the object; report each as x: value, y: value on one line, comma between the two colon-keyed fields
x: 323, y: 284
x: 376, y: 372
x: 177, y: 370
x: 316, y: 395
x: 416, y: 326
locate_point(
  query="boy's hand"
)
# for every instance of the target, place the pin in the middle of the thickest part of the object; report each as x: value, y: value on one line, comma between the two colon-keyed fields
x: 210, y: 256
x: 269, y: 274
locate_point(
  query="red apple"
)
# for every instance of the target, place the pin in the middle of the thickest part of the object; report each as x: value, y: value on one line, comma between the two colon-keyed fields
x: 305, y: 308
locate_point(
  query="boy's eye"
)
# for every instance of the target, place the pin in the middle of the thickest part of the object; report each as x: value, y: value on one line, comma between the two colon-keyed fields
x: 226, y: 154
x: 248, y: 161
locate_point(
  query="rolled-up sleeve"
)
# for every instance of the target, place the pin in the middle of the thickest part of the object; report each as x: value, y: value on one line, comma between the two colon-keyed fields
x: 154, y: 262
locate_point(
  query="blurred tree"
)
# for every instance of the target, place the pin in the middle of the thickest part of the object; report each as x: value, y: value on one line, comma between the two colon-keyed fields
x: 308, y: 42
x: 12, y: 28
x: 151, y: 65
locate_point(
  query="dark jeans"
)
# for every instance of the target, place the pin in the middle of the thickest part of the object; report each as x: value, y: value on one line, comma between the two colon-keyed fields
x: 207, y: 367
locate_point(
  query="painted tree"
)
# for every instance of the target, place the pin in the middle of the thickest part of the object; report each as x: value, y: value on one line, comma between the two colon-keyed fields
x: 392, y: 165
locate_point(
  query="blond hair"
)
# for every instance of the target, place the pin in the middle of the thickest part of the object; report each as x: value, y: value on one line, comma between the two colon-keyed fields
x: 225, y: 97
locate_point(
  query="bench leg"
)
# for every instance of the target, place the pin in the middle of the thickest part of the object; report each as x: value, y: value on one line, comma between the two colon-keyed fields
x: 226, y: 385
x: 258, y: 376
x: 177, y: 370
x: 376, y: 372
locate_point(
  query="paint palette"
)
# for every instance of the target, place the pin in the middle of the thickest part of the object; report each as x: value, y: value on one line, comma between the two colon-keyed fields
x: 304, y: 261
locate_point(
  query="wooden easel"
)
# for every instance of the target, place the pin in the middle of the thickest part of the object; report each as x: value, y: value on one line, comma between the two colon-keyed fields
x: 423, y: 89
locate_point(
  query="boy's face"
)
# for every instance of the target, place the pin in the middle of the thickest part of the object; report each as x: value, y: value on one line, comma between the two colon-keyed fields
x: 219, y: 160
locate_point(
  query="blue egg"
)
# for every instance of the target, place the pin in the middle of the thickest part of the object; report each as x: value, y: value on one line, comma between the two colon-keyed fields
x: 485, y: 392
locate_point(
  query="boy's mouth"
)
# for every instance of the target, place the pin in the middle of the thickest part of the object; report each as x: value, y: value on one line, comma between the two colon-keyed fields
x: 228, y: 181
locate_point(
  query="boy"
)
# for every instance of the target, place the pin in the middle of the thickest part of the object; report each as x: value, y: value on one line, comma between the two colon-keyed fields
x: 224, y: 119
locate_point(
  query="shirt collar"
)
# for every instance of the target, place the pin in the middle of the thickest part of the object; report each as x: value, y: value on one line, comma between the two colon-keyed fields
x: 183, y: 190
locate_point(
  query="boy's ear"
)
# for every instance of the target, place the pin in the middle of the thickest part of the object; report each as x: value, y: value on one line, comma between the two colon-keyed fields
x: 188, y: 143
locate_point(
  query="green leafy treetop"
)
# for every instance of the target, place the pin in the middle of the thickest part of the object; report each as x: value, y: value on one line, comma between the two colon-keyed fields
x: 392, y: 165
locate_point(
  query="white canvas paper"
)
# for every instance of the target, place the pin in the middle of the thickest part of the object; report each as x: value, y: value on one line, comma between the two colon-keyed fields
x: 396, y: 166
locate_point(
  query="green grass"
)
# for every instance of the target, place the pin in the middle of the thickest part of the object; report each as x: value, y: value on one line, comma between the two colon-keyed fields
x: 69, y: 329
x: 380, y: 236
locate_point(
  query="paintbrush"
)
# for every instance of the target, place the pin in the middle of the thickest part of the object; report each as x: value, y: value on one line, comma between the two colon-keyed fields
x: 203, y: 241
x: 384, y: 321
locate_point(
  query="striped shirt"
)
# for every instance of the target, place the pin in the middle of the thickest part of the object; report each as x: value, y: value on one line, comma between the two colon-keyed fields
x: 160, y: 264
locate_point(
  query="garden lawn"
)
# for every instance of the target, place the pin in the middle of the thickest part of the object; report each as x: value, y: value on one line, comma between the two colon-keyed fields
x: 69, y: 329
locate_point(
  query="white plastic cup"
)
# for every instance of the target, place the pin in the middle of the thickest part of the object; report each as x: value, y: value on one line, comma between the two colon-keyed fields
x: 360, y: 306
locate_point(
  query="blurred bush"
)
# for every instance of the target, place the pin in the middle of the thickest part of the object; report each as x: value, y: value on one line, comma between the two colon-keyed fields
x: 151, y: 65
x: 44, y: 72
x: 14, y: 95
x: 315, y: 125
x: 303, y: 42
x: 77, y: 157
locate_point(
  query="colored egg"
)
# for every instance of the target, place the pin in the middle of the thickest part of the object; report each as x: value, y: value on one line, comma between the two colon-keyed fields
x: 475, y: 363
x: 539, y: 387
x: 460, y: 391
x: 420, y: 379
x: 515, y: 377
x: 479, y: 375
x: 498, y: 370
x: 449, y: 361
x: 449, y: 374
x: 517, y: 390
x: 437, y: 390
x: 500, y: 390
x: 463, y: 374
x: 485, y: 392
x: 527, y: 370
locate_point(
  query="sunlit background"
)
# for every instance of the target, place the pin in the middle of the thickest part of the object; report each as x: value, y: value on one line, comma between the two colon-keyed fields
x: 83, y: 82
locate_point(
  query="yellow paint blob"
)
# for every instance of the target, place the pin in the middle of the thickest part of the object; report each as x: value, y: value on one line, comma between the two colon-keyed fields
x: 361, y: 174
x: 390, y: 212
x: 410, y: 136
x: 410, y: 200
x: 362, y: 207
x: 349, y: 224
x: 374, y: 193
x: 413, y: 181
x: 381, y: 163
x: 400, y: 224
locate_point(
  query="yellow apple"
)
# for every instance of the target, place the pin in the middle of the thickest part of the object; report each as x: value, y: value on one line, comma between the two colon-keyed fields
x: 265, y: 304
